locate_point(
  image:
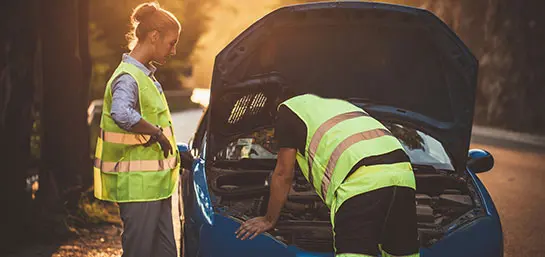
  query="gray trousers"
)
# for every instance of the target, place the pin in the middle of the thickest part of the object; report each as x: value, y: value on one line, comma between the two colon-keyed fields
x: 147, y: 229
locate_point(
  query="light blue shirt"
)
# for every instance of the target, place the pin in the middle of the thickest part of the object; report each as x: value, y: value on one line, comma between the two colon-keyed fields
x: 125, y: 105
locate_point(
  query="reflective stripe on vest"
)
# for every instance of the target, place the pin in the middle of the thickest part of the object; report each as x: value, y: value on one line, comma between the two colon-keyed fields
x: 345, y: 144
x: 136, y: 165
x: 130, y: 139
x: 320, y: 132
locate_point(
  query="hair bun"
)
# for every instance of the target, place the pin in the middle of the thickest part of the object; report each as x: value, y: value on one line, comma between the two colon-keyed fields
x: 144, y: 11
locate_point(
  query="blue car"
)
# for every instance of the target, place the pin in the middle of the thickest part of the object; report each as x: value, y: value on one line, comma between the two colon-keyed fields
x: 402, y: 65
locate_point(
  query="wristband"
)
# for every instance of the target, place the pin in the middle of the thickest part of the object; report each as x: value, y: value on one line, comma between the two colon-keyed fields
x: 155, y: 137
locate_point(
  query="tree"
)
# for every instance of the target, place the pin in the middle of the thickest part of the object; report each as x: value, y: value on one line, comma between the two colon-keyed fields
x: 65, y: 145
x: 19, y: 62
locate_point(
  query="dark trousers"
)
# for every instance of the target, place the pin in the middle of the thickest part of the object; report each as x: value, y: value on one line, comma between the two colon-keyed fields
x: 148, y: 229
x: 385, y: 217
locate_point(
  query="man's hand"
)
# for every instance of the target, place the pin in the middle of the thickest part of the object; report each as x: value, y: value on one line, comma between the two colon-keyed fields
x: 281, y: 181
x: 253, y: 227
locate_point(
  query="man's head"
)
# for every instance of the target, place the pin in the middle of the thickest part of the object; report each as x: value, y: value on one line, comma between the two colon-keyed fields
x: 285, y: 94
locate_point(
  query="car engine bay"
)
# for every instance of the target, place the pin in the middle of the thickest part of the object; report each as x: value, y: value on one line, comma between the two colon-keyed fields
x: 444, y: 200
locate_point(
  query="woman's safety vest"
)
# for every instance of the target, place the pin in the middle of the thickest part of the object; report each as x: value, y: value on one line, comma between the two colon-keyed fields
x: 339, y: 135
x: 125, y: 170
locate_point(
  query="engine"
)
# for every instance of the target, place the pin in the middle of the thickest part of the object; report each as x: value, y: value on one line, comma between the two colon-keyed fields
x: 443, y: 201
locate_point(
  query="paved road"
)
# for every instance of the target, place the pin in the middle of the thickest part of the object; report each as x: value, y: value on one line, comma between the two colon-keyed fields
x: 516, y: 184
x: 185, y: 124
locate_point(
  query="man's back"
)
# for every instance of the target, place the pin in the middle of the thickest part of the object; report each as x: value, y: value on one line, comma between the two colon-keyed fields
x: 334, y: 139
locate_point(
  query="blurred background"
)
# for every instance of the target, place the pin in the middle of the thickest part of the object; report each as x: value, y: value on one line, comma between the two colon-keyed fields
x: 507, y: 37
x: 56, y: 56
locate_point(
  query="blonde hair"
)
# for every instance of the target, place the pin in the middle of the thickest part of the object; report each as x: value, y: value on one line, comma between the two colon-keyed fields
x: 148, y: 17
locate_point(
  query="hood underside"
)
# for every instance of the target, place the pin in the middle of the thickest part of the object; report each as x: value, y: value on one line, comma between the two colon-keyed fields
x: 402, y: 58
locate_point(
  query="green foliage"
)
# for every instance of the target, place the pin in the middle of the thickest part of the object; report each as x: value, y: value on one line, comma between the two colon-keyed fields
x: 94, y: 211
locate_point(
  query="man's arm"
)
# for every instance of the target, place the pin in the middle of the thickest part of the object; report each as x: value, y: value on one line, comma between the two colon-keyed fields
x: 281, y: 181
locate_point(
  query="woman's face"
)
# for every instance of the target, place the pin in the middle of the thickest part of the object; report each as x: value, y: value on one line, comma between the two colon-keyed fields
x: 165, y: 46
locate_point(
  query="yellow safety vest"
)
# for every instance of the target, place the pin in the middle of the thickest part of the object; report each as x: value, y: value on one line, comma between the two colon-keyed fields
x: 339, y: 135
x: 125, y: 170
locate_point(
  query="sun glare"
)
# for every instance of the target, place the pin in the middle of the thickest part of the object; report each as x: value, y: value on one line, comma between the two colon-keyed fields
x: 201, y: 96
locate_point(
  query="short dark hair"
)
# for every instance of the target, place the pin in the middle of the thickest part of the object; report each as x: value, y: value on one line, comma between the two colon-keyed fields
x: 286, y: 92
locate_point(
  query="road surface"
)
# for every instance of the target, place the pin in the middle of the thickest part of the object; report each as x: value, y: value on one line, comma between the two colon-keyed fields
x: 516, y: 184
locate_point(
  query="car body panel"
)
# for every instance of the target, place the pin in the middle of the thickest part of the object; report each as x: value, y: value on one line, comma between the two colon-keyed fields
x: 479, y: 238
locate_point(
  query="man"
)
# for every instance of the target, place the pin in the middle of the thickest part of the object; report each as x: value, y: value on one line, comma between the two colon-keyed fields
x: 356, y: 166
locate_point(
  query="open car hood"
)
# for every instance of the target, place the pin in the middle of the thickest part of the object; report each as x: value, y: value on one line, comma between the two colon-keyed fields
x: 400, y: 63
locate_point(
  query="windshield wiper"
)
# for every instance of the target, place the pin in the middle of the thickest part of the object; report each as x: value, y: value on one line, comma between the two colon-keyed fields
x: 424, y: 168
x: 428, y: 168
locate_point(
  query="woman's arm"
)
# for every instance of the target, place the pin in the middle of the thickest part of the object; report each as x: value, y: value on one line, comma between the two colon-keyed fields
x: 125, y: 115
x: 124, y: 102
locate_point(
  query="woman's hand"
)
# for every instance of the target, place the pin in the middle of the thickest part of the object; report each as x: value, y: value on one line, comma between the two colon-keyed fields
x: 165, y: 145
x: 253, y: 227
x: 163, y: 141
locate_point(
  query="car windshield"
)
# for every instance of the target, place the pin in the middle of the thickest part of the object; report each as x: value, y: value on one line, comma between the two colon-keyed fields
x: 422, y: 148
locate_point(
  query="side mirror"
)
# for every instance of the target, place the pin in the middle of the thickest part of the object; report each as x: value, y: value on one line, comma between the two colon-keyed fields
x: 185, y: 155
x: 479, y: 161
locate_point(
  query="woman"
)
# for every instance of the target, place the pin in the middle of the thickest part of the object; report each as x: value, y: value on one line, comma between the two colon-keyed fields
x: 136, y: 162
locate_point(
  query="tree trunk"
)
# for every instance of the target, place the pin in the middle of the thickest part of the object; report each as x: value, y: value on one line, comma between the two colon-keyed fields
x: 18, y: 44
x: 65, y: 148
x: 86, y: 67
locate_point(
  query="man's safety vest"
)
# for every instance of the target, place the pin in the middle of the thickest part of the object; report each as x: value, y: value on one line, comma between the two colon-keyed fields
x: 339, y: 135
x: 125, y: 170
